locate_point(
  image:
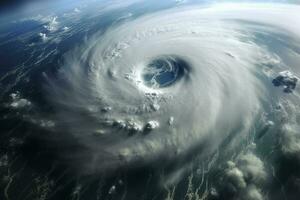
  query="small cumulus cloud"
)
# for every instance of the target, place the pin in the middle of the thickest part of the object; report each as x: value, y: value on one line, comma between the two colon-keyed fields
x: 52, y: 24
x: 18, y: 102
x: 66, y: 28
x: 43, y: 36
x: 76, y: 10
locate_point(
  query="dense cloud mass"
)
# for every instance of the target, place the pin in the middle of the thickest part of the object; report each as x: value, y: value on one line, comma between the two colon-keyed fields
x: 204, y: 96
x: 197, y: 102
x: 244, y: 179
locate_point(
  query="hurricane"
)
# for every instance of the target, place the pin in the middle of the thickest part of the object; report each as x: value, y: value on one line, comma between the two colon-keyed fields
x: 188, y: 102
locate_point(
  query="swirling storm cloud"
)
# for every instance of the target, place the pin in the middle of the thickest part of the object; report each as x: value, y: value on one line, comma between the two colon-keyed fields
x: 148, y: 100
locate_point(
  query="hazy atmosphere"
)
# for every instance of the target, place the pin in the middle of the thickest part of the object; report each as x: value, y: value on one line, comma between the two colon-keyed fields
x: 149, y: 100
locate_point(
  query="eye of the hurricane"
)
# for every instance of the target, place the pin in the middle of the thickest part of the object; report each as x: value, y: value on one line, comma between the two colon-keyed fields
x: 164, y: 71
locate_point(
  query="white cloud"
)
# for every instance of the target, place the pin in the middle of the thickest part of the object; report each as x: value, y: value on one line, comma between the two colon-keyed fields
x: 252, y: 168
x: 252, y: 193
x: 236, y: 177
x: 52, y: 24
x: 43, y: 36
x: 290, y: 139
x: 18, y: 102
x: 246, y: 175
x: 77, y: 10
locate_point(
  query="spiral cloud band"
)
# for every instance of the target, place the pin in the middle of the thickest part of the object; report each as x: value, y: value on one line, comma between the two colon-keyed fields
x: 170, y: 82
